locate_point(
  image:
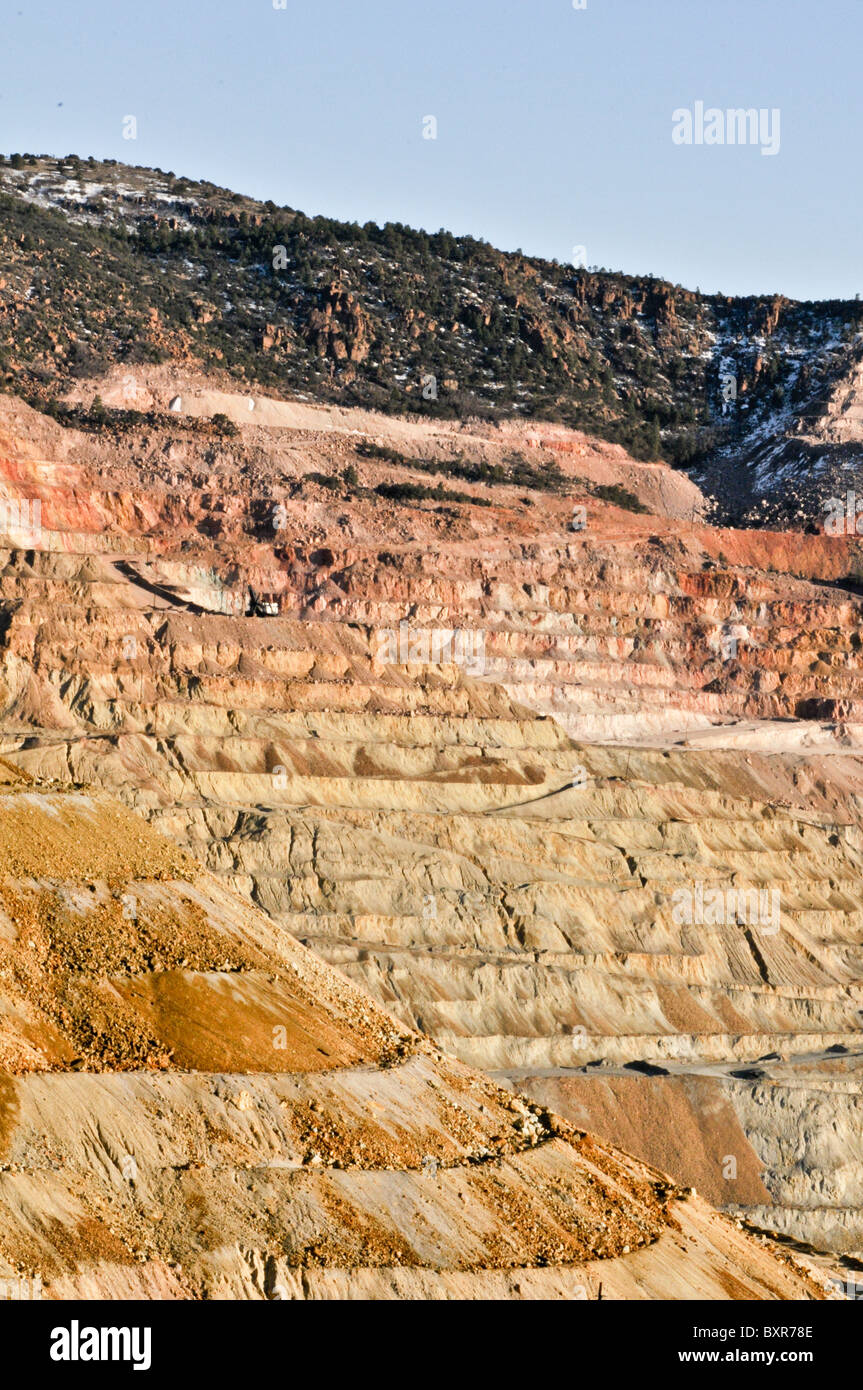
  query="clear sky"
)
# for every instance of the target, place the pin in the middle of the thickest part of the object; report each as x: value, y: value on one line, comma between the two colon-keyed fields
x: 554, y: 124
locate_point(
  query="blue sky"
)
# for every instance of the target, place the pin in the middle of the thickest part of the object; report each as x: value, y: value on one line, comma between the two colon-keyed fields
x: 553, y: 123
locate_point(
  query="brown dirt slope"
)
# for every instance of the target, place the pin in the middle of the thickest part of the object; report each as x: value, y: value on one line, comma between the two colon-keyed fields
x: 455, y: 840
x: 193, y: 1105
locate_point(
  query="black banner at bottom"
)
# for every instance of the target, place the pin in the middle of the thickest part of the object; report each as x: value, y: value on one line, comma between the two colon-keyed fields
x: 168, y: 1341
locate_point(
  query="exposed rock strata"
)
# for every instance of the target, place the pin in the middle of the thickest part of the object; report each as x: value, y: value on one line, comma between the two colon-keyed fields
x: 494, y: 881
x: 192, y: 1105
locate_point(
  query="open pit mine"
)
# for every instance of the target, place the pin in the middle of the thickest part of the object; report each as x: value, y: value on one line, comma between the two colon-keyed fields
x: 411, y: 892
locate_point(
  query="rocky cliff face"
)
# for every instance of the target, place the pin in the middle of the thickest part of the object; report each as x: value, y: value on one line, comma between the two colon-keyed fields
x: 402, y: 767
x: 106, y: 265
x: 192, y: 1105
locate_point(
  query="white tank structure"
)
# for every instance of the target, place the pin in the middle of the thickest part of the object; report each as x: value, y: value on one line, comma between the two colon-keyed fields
x: 176, y: 404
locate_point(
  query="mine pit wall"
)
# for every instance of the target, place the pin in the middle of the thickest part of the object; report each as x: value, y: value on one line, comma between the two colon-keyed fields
x: 401, y: 784
x: 797, y: 1148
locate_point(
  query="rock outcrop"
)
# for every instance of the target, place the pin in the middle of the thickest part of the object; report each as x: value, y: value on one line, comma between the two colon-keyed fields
x: 194, y: 1106
x: 108, y: 266
x: 431, y: 818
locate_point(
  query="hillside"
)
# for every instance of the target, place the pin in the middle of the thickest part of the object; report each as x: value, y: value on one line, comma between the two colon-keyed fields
x: 401, y: 641
x: 194, y: 1106
x: 490, y: 845
x: 103, y: 264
